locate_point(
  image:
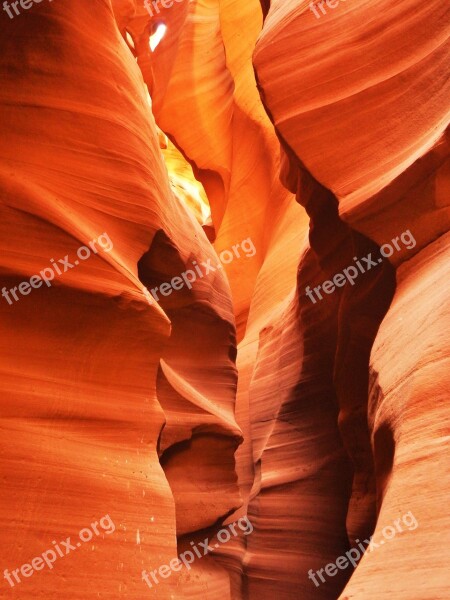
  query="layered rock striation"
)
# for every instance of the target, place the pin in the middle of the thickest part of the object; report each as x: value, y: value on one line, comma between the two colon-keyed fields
x: 156, y: 382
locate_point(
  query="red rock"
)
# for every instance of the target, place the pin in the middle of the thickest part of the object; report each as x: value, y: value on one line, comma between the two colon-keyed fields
x: 317, y: 140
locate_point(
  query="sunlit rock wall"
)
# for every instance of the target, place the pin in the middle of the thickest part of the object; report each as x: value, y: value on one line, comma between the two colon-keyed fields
x: 316, y: 139
x: 94, y: 386
x: 358, y: 97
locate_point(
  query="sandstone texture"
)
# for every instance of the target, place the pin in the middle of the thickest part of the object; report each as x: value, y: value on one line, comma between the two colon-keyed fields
x: 181, y: 177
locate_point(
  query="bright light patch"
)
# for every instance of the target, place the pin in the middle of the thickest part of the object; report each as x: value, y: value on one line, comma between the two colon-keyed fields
x: 129, y: 39
x: 184, y: 185
x: 156, y: 37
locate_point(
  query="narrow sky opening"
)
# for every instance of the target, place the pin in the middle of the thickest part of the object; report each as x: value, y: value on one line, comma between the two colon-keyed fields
x: 157, y: 36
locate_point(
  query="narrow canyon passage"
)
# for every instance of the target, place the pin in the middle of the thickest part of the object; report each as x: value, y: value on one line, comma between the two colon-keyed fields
x: 224, y: 315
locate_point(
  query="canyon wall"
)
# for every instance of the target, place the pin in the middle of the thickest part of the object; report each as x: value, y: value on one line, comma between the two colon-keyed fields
x: 104, y: 409
x: 322, y: 418
x: 362, y: 113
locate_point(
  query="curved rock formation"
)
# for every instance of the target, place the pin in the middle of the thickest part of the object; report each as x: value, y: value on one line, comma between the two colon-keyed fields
x: 81, y: 361
x: 178, y: 387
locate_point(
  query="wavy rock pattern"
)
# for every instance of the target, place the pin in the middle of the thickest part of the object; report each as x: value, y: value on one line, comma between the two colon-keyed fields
x: 81, y: 425
x: 319, y: 139
x: 329, y: 109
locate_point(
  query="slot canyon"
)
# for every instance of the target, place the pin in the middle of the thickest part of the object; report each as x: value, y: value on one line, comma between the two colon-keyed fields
x: 224, y: 282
